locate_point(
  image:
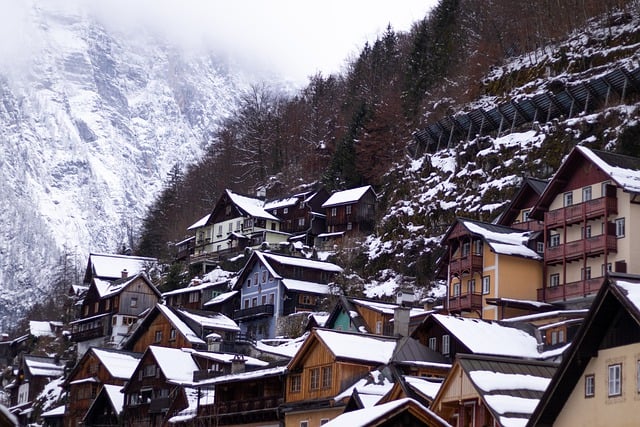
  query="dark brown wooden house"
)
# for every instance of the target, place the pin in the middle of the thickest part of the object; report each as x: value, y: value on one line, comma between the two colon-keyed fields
x: 351, y: 211
x: 96, y: 367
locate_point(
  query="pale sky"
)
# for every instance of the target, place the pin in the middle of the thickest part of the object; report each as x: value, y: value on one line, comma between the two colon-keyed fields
x: 293, y: 39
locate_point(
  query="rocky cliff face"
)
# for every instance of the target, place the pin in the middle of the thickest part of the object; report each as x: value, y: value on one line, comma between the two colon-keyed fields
x: 90, y: 124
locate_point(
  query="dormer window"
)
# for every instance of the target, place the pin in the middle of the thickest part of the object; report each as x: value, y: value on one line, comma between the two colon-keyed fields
x: 525, y: 215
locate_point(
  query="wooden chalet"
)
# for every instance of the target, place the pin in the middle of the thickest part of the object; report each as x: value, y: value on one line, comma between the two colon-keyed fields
x: 516, y: 214
x: 474, y: 252
x: 326, y: 365
x: 97, y: 367
x: 106, y: 408
x: 418, y: 388
x: 110, y: 308
x: 166, y: 326
x: 351, y: 212
x: 589, y: 209
x: 273, y: 286
x: 489, y: 390
x: 236, y: 222
x: 155, y: 386
x: 110, y: 266
x: 196, y: 294
x: 597, y: 382
x: 301, y: 215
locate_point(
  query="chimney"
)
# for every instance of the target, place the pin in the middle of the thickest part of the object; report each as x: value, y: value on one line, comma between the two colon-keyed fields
x: 125, y: 273
x: 401, y: 321
x: 237, y: 364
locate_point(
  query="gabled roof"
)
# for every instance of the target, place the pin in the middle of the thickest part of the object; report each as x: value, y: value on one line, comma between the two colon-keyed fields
x: 39, y: 366
x: 208, y: 319
x: 106, y: 288
x: 110, y: 266
x: 525, y: 197
x: 491, y: 337
x: 271, y: 261
x: 176, y: 365
x: 618, y: 298
x: 200, y: 223
x: 347, y: 346
x: 623, y: 170
x: 369, y: 390
x: 112, y: 395
x: 189, y: 289
x: 502, y: 240
x: 509, y: 388
x: 120, y: 364
x: 219, y: 299
x: 379, y: 414
x: 347, y: 196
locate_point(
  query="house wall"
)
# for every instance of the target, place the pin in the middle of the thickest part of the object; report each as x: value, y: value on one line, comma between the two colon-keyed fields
x: 601, y: 410
x: 313, y: 418
x: 160, y: 324
x: 375, y: 321
x: 136, y: 298
x: 343, y: 322
x: 260, y: 288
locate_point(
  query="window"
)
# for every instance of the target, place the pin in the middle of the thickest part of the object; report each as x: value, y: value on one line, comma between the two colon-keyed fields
x: 472, y: 285
x: 554, y: 337
x: 314, y: 378
x: 568, y: 198
x: 432, y: 343
x: 271, y: 298
x: 486, y: 285
x: 348, y: 209
x: 134, y: 302
x: 445, y: 345
x: 158, y: 336
x: 149, y: 371
x: 172, y: 334
x: 246, y: 303
x: 477, y: 247
x: 604, y: 187
x: 586, y: 194
x: 230, y: 229
x: 606, y: 268
x: 586, y: 273
x: 254, y: 301
x: 301, y: 222
x: 615, y: 380
x: 304, y: 423
x: 540, y: 247
x: 107, y: 304
x: 194, y: 297
x: 349, y: 226
x: 96, y: 307
x: 589, y: 385
x: 220, y: 230
x: 620, y: 227
x: 554, y: 240
x: 334, y: 211
x: 586, y: 232
x: 285, y: 210
x: 248, y: 283
x: 323, y: 421
x: 638, y: 376
x: 554, y: 280
x: 264, y: 276
x: 465, y: 248
x: 295, y: 383
x: 326, y: 376
x: 263, y: 300
x: 525, y: 215
x: 456, y: 289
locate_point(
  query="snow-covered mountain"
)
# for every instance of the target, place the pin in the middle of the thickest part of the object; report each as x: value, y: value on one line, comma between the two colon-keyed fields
x: 91, y: 121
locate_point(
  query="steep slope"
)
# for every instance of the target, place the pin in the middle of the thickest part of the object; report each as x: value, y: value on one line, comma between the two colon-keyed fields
x: 475, y: 177
x: 90, y: 125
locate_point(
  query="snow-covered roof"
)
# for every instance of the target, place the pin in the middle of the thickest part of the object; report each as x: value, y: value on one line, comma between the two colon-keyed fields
x: 253, y: 207
x: 211, y: 320
x: 346, y: 196
x: 388, y: 308
x: 182, y: 327
x: 116, y: 397
x: 199, y: 223
x: 41, y: 328
x: 55, y: 412
x: 367, y: 416
x: 369, y: 348
x: 188, y: 289
x: 628, y: 179
x: 485, y: 337
x: 281, y: 203
x: 299, y: 262
x: 120, y: 364
x: 374, y: 384
x: 109, y: 266
x: 503, y: 242
x: 304, y: 286
x: 221, y: 298
x: 226, y: 357
x: 107, y: 288
x: 289, y: 348
x: 43, y: 366
x: 176, y: 365
x: 240, y: 376
x: 426, y: 386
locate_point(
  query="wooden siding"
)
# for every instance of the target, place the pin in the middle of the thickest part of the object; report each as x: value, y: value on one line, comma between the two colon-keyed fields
x: 162, y: 325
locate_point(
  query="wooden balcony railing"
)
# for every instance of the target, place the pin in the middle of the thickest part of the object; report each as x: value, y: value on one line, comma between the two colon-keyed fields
x: 87, y: 334
x: 466, y: 302
x: 572, y: 290
x: 245, y: 405
x: 257, y: 311
x: 575, y: 213
x: 592, y: 246
x: 465, y: 264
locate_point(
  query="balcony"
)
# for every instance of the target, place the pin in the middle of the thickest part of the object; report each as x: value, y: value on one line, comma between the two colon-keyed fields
x: 159, y: 405
x: 253, y: 312
x: 467, y: 302
x: 465, y: 264
x: 528, y: 225
x: 87, y: 334
x: 245, y: 405
x: 582, y: 211
x: 590, y: 247
x: 572, y: 290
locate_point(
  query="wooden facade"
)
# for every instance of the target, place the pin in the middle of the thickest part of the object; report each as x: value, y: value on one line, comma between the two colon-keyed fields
x: 157, y: 329
x: 84, y: 383
x: 352, y: 216
x: 299, y: 213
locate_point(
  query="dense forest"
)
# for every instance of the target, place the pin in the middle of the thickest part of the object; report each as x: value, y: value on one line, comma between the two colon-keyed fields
x: 352, y: 128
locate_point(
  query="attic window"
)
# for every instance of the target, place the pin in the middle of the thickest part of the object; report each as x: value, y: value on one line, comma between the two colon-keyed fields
x: 134, y: 302
x: 285, y: 210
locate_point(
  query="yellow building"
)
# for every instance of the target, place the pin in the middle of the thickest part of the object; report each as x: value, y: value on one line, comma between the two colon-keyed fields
x: 486, y: 262
x: 598, y: 381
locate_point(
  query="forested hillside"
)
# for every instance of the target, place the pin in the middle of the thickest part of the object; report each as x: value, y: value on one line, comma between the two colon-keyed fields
x: 358, y: 127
